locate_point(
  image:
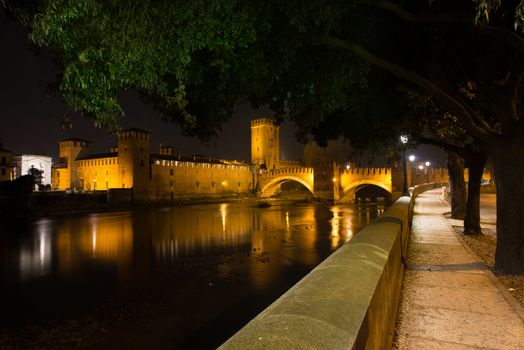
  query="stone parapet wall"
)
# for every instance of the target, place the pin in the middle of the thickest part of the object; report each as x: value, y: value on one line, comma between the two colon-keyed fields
x: 348, y: 301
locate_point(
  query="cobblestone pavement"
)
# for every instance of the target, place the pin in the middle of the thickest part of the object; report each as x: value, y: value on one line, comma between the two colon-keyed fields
x: 449, y: 299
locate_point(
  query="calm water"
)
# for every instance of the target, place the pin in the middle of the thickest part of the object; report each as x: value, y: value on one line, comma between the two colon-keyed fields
x: 180, y: 277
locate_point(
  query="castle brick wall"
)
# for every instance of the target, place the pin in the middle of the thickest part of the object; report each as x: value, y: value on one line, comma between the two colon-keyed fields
x: 171, y: 178
x: 98, y: 174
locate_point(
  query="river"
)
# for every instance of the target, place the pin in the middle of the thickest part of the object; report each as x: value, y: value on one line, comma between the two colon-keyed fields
x: 177, y: 277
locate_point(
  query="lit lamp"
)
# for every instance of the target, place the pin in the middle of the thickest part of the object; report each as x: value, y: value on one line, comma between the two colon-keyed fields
x: 427, y: 171
x: 411, y: 160
x: 403, y: 143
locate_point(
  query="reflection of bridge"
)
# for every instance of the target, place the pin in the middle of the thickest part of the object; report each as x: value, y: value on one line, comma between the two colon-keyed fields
x: 333, y: 182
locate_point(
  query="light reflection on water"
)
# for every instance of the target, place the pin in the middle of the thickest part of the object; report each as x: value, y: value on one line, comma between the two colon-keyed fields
x: 102, y: 256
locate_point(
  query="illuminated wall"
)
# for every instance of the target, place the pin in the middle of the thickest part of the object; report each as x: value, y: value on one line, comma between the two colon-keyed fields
x: 98, y: 173
x: 170, y: 178
x: 24, y: 162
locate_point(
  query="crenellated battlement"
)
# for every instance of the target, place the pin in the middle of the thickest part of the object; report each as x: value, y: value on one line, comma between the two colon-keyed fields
x: 287, y: 170
x: 368, y: 171
x: 134, y: 133
x: 263, y: 121
x: 184, y: 163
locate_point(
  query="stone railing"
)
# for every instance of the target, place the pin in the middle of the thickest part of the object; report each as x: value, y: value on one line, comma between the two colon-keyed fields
x: 348, y: 301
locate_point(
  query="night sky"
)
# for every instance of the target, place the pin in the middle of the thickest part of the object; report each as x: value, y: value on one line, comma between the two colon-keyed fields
x: 31, y: 120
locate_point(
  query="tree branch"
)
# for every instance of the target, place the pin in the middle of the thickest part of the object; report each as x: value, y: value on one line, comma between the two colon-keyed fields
x: 417, y: 17
x: 507, y: 36
x: 455, y: 106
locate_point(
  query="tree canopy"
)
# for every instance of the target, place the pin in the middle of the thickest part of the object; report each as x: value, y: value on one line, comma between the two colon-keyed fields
x: 328, y: 65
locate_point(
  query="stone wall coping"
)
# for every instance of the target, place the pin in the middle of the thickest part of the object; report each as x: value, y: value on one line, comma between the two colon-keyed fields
x: 349, y: 300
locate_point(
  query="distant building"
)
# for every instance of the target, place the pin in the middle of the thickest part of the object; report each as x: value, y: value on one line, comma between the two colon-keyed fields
x: 6, y: 165
x: 24, y: 162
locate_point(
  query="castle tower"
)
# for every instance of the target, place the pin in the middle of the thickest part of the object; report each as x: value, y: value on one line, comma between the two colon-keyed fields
x: 70, y: 150
x: 265, y: 143
x: 133, y: 161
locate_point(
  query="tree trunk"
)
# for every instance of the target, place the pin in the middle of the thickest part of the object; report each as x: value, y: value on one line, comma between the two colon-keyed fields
x: 472, y: 219
x: 458, y: 186
x: 508, y: 159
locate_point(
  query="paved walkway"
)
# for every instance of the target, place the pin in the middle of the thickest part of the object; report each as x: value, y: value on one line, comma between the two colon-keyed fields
x: 449, y: 298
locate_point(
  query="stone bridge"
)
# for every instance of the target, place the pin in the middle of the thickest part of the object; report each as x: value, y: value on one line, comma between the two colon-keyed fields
x: 269, y: 181
x: 336, y: 183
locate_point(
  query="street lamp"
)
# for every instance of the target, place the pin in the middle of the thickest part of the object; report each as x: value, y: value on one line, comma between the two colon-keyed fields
x: 427, y: 171
x: 403, y: 142
x: 411, y: 160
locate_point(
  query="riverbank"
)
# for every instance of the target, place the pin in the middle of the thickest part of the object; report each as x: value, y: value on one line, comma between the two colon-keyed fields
x: 44, y: 205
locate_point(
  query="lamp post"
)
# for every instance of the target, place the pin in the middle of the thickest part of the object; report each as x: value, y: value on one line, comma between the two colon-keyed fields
x: 411, y: 160
x: 404, y: 141
x: 427, y: 171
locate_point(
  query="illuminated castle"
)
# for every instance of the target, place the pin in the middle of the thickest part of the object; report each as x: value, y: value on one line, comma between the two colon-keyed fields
x: 151, y: 176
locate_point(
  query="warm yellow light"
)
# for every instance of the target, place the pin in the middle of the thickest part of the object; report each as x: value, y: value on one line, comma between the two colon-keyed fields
x: 421, y: 166
x: 224, y: 183
x: 334, y: 179
x: 428, y: 163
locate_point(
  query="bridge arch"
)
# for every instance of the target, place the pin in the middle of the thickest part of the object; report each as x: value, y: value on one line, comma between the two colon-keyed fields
x: 272, y: 186
x: 350, y: 190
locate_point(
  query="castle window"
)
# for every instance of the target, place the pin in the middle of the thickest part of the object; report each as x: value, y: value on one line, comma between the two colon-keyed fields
x: 107, y: 172
x: 197, y: 184
x: 171, y: 183
x: 171, y: 172
x: 239, y: 184
x: 212, y: 184
x: 107, y: 185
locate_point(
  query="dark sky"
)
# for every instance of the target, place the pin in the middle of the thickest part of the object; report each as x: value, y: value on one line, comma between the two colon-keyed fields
x: 30, y: 120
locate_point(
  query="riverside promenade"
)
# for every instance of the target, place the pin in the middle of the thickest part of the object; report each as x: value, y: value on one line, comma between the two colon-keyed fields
x: 450, y: 300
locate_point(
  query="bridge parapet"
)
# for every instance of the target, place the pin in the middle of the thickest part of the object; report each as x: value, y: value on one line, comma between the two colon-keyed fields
x: 366, y: 171
x: 285, y: 170
x: 351, y: 179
